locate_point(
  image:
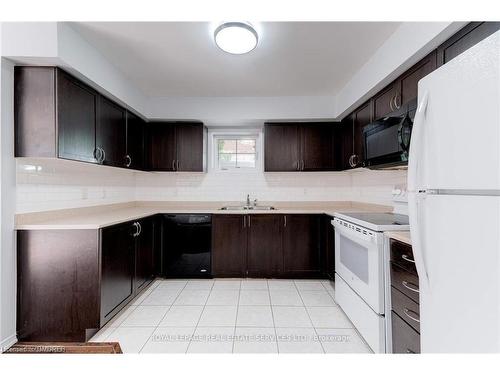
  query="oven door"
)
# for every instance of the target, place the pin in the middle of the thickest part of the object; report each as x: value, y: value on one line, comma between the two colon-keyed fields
x: 359, y: 261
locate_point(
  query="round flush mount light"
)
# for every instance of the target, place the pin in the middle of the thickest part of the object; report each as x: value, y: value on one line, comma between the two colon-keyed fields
x: 236, y: 37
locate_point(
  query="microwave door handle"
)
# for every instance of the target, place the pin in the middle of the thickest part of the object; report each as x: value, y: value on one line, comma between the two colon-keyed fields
x: 416, y: 144
x: 404, y: 124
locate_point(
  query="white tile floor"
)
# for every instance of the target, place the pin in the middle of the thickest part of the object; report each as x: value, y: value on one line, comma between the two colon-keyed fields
x: 234, y: 316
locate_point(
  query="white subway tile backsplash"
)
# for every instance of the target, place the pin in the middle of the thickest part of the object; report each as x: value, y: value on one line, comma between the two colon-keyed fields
x: 47, y: 184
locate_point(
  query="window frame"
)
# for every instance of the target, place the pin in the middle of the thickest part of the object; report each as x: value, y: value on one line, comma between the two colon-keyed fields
x: 216, y: 135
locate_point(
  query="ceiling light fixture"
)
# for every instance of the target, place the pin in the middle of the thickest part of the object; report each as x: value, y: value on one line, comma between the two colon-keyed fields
x: 236, y: 38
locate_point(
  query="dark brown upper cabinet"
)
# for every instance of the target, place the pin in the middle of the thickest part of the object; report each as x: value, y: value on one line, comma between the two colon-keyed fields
x: 383, y: 102
x: 301, y: 245
x: 136, y: 131
x: 54, y: 115
x: 58, y: 116
x: 290, y: 147
x: 468, y: 36
x: 177, y: 146
x: 408, y: 82
x: 281, y: 147
x: 111, y: 133
x: 349, y: 139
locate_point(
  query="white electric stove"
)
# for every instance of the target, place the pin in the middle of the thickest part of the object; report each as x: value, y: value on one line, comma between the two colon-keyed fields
x: 360, y: 270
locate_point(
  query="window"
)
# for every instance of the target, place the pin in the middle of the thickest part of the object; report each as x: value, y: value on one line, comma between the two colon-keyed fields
x: 235, y: 151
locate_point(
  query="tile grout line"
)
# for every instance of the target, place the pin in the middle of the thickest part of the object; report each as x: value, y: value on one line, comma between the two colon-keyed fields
x: 163, y: 317
x: 236, y: 319
x: 272, y: 314
x: 309, y: 316
x: 202, y: 311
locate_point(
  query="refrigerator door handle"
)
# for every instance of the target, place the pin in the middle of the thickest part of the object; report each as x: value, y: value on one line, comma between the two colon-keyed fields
x: 416, y: 235
x: 416, y: 146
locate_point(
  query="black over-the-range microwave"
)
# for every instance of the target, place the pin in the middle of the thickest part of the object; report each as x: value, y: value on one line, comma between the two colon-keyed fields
x: 387, y: 140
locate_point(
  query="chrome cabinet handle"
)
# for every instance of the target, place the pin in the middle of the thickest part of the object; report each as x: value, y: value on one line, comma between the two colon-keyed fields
x: 396, y: 105
x: 405, y: 257
x: 173, y: 165
x: 391, y: 101
x: 178, y: 165
x: 136, y: 225
x: 285, y: 220
x: 249, y: 221
x: 351, y: 161
x: 303, y: 164
x: 140, y: 228
x: 413, y: 287
x: 244, y: 221
x: 97, y: 154
x: 409, y: 313
x: 103, y: 155
x: 355, y: 163
x: 128, y: 160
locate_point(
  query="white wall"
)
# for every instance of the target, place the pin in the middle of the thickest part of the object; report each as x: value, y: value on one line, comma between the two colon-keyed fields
x: 7, y: 208
x: 45, y: 184
x: 411, y: 42
x: 361, y: 185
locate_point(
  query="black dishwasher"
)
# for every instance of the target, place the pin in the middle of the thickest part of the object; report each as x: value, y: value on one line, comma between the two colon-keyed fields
x: 187, y: 240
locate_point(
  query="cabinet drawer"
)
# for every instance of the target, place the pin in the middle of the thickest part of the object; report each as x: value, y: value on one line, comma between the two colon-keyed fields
x: 406, y: 308
x: 404, y: 338
x: 404, y: 281
x: 402, y: 255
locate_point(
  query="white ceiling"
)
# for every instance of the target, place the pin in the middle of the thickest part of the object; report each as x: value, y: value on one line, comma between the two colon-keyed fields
x: 292, y: 58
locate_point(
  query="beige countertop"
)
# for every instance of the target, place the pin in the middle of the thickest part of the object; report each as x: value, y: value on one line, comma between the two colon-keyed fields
x: 403, y: 236
x: 103, y: 216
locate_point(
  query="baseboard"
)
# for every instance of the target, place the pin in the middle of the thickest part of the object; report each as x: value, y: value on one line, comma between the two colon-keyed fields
x: 7, y: 343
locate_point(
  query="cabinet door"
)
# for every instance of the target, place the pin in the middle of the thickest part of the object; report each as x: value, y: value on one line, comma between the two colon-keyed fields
x: 344, y: 144
x: 76, y: 119
x: 111, y: 133
x: 281, y: 147
x: 409, y: 81
x: 317, y: 147
x: 190, y: 150
x: 229, y: 242
x: 328, y: 246
x: 117, y: 268
x: 264, y: 251
x: 145, y: 249
x: 383, y: 102
x: 135, y: 141
x: 161, y: 146
x: 467, y: 37
x: 301, y: 245
x: 362, y: 117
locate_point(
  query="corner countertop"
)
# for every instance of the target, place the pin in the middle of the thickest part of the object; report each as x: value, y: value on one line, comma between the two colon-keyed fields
x: 403, y: 236
x: 97, y: 217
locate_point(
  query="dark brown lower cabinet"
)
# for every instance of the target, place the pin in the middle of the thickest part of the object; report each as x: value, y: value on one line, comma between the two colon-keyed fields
x: 404, y: 338
x: 328, y: 246
x: 58, y: 294
x: 266, y: 245
x: 117, y: 267
x: 145, y: 252
x: 405, y: 314
x: 301, y: 246
x: 72, y: 282
x: 229, y: 238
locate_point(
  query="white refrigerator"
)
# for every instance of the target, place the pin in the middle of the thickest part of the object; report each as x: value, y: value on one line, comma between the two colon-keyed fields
x: 454, y: 202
